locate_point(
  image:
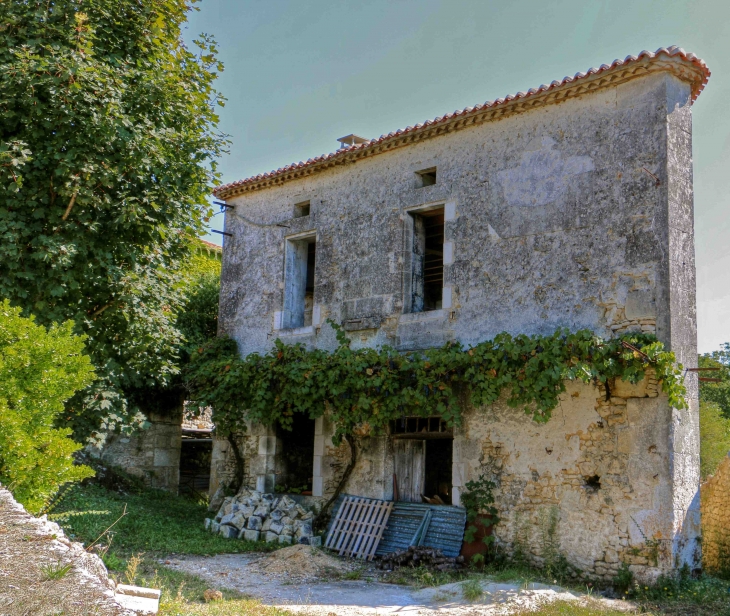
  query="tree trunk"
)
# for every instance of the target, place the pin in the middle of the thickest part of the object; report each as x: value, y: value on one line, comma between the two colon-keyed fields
x: 321, y: 518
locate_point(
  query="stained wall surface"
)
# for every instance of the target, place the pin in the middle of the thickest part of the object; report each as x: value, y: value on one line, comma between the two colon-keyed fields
x: 575, y: 215
x: 716, y: 520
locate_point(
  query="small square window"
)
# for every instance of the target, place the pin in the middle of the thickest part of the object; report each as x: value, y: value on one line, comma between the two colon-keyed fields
x: 301, y: 209
x: 427, y: 177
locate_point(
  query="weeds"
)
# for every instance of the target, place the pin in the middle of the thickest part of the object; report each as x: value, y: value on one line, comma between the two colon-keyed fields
x: 55, y: 571
x: 471, y: 590
x: 130, y: 574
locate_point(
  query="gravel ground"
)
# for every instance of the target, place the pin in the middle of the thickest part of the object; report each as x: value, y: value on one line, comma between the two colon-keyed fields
x: 285, y: 579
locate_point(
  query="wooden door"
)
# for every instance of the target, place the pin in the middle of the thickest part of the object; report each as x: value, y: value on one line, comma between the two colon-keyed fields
x: 410, y: 465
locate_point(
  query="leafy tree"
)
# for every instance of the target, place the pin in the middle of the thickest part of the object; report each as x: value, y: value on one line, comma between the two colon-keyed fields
x: 108, y: 141
x: 714, y: 437
x: 39, y: 370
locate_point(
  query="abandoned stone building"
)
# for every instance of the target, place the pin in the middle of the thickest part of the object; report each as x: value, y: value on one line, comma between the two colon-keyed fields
x: 569, y: 205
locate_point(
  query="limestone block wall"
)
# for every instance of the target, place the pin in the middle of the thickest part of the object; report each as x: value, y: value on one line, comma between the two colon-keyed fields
x: 716, y: 520
x: 152, y: 454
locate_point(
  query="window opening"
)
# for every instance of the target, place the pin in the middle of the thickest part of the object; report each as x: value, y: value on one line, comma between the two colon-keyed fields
x: 301, y: 209
x: 427, y: 177
x: 295, y: 464
x: 299, y: 279
x: 427, y: 278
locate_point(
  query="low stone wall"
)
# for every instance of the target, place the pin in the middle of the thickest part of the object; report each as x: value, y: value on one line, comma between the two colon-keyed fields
x: 715, y: 494
x: 152, y: 454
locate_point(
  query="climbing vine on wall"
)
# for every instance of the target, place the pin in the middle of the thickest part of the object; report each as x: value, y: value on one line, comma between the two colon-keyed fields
x: 363, y: 389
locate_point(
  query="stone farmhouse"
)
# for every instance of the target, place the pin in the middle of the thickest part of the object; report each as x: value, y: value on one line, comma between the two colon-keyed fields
x: 569, y: 205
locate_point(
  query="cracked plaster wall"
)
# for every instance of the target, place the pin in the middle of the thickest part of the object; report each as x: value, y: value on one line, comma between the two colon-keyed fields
x: 575, y: 215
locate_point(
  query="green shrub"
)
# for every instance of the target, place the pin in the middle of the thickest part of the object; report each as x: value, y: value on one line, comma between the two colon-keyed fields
x: 39, y: 370
x: 714, y: 437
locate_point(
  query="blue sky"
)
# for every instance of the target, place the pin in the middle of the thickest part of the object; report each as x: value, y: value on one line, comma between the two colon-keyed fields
x: 300, y: 74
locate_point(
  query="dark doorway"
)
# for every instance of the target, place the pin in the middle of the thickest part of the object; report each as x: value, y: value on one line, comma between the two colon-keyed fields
x: 195, y: 458
x: 296, y: 462
x: 439, y: 455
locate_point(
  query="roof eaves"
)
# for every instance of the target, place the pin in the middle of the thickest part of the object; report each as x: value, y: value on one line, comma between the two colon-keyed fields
x: 685, y: 65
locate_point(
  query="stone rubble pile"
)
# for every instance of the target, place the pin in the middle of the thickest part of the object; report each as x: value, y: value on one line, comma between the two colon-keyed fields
x: 254, y: 516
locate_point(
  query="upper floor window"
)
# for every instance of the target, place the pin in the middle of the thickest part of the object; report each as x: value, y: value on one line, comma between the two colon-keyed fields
x: 427, y: 260
x: 426, y: 177
x: 299, y: 282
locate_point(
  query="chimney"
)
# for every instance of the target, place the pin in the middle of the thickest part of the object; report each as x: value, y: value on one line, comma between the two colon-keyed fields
x: 349, y: 140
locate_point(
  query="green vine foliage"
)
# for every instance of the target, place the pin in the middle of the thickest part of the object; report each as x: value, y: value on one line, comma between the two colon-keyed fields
x: 363, y: 389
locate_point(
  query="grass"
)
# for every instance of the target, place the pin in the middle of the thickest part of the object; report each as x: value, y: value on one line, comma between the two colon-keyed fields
x: 156, y: 522
x: 714, y: 437
x: 471, y: 589
x: 55, y: 571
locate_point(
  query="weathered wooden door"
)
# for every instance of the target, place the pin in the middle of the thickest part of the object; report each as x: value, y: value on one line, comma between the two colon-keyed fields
x: 410, y: 465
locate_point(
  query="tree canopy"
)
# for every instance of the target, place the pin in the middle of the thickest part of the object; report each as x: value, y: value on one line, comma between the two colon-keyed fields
x: 108, y: 142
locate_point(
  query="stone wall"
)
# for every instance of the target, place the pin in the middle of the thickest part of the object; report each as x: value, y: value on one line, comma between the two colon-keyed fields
x: 716, y: 520
x: 152, y: 454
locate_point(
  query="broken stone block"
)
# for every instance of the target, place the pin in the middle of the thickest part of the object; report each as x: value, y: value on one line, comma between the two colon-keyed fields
x: 292, y: 512
x: 276, y: 527
x: 276, y: 515
x: 228, y: 532
x: 307, y: 516
x: 287, y: 521
x: 226, y: 519
x: 214, y: 527
x: 301, y: 510
x: 285, y: 539
x: 266, y: 525
x: 269, y: 498
x: 262, y: 510
x: 254, y: 523
x: 238, y: 521
x: 305, y: 530
x: 315, y: 542
x: 256, y: 495
x: 207, y: 523
x: 271, y: 537
x: 250, y: 535
x: 303, y: 540
x: 247, y: 510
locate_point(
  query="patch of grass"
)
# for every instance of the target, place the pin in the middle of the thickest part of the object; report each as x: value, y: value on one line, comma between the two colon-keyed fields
x: 704, y: 596
x: 55, y: 571
x: 182, y: 594
x: 156, y: 521
x: 353, y: 575
x: 471, y: 590
x: 573, y: 608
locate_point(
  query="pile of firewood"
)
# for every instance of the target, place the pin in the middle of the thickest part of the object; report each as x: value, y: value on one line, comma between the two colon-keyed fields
x: 416, y: 556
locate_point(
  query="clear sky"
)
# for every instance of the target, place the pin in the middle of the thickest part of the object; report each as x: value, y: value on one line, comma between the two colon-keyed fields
x: 301, y: 73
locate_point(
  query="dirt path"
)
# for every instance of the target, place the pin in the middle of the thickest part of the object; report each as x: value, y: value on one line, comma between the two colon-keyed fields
x: 300, y: 579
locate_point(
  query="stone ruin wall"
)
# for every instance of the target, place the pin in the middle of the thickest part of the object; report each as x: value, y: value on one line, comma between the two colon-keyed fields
x: 152, y: 454
x: 716, y: 520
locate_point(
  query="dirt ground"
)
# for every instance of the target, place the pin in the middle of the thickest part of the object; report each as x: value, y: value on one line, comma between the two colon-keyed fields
x: 34, y: 555
x: 305, y: 579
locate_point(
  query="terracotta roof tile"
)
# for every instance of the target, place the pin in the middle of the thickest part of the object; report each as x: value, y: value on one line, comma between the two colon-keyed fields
x: 345, y: 153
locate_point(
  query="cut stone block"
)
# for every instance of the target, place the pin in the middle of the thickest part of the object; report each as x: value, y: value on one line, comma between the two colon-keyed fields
x: 271, y: 537
x: 250, y: 535
x: 276, y: 515
x: 228, y: 532
x: 207, y: 523
x: 262, y: 510
x: 254, y: 523
x: 214, y: 527
x: 285, y: 539
x: 276, y: 528
x: 266, y: 525
x: 315, y: 541
x: 226, y: 519
x: 238, y: 521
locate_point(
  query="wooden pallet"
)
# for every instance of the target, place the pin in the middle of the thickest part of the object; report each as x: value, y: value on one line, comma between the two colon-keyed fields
x: 358, y: 527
